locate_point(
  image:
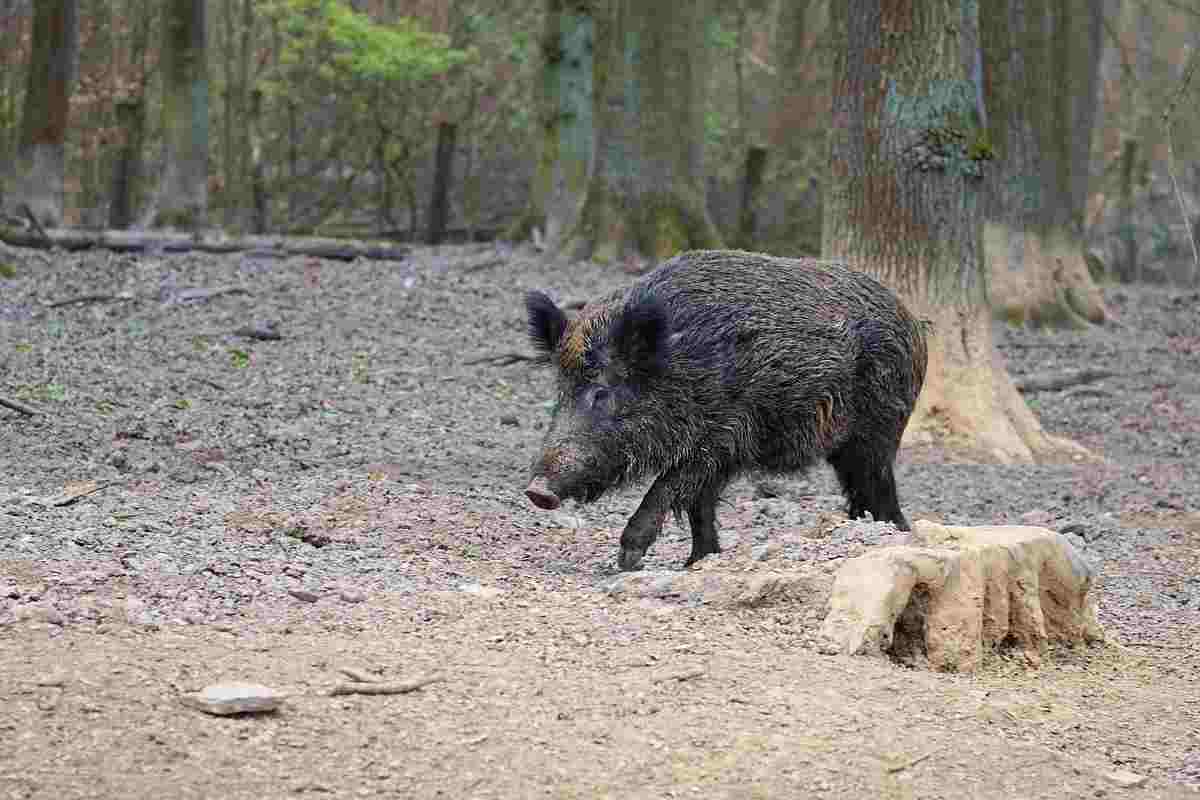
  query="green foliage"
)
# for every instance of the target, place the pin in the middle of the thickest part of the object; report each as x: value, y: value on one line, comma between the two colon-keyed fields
x: 344, y: 45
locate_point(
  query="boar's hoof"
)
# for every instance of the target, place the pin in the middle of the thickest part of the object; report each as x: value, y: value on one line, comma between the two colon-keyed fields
x: 630, y: 558
x: 539, y: 492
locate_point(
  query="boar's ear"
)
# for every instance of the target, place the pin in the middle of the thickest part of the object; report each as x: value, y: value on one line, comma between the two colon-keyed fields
x: 546, y: 322
x: 639, y: 336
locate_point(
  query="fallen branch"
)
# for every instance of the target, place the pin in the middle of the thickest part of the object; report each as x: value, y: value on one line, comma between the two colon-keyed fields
x: 89, y: 298
x: 1059, y: 381
x: 401, y: 687
x: 503, y: 360
x: 161, y: 241
x: 15, y: 406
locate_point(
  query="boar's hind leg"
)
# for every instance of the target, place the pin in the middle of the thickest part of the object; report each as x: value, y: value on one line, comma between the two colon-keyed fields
x: 702, y: 514
x: 865, y: 472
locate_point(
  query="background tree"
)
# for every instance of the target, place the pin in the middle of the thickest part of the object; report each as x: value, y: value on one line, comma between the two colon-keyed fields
x: 904, y: 204
x: 564, y: 108
x: 646, y: 194
x: 182, y: 197
x: 38, y: 169
x: 1036, y: 193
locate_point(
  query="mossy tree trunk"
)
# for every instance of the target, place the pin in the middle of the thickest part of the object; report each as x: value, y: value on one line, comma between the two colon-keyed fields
x: 646, y: 193
x: 564, y: 104
x: 904, y: 204
x: 182, y: 197
x: 1040, y: 129
x: 37, y: 174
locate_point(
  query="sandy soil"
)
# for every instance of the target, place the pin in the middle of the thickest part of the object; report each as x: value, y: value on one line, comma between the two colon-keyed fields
x: 192, y: 505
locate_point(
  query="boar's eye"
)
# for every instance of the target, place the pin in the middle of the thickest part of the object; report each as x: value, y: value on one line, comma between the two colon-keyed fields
x: 600, y: 398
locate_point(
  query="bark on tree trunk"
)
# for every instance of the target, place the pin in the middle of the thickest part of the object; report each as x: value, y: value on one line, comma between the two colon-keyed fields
x: 565, y: 105
x: 752, y: 175
x: 904, y: 204
x: 797, y: 125
x: 128, y: 167
x: 439, y: 203
x: 646, y: 193
x: 182, y: 197
x: 37, y: 174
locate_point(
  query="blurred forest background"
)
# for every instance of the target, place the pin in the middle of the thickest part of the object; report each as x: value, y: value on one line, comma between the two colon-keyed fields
x: 337, y: 117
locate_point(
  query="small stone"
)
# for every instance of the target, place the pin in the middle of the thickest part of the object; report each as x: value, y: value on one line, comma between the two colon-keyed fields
x: 7, y: 591
x: 562, y: 519
x: 235, y: 697
x: 41, y: 612
x: 1126, y: 779
x: 1038, y: 517
x: 304, y: 595
x: 351, y: 596
x: 135, y: 610
x: 510, y: 420
x: 480, y: 589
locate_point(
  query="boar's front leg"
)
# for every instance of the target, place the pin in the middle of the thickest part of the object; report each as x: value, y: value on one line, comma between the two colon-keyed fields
x: 646, y: 523
x: 673, y: 488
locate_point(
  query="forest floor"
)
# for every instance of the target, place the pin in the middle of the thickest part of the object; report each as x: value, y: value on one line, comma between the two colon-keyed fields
x: 191, y: 505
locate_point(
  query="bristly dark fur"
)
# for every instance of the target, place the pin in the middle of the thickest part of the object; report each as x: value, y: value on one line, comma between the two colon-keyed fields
x: 547, y: 322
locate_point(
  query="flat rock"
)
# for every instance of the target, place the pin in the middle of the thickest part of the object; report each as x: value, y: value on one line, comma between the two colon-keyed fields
x: 1126, y: 779
x: 956, y: 593
x: 235, y: 697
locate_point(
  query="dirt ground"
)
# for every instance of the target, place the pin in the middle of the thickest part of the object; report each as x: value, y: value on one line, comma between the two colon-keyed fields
x: 193, y: 505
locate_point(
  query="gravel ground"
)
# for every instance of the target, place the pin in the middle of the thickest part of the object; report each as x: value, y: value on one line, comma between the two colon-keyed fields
x: 192, y: 503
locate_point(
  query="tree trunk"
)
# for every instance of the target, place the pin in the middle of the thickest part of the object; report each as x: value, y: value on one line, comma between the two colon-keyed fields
x: 439, y: 203
x: 797, y: 123
x: 1130, y: 266
x: 565, y: 107
x: 37, y: 173
x: 904, y: 205
x: 128, y: 167
x: 1036, y: 196
x: 646, y: 193
x: 259, y: 203
x: 752, y: 175
x: 182, y: 197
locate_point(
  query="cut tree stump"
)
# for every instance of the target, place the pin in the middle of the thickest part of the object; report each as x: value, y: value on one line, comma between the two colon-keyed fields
x: 160, y: 241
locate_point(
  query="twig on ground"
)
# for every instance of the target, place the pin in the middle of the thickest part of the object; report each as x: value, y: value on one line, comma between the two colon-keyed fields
x: 685, y: 675
x: 401, y: 687
x: 89, y: 298
x: 357, y: 675
x: 1157, y: 646
x: 15, y: 406
x: 203, y: 295
x: 1061, y: 380
x: 502, y: 360
x: 33, y: 223
x: 911, y: 762
x: 484, y: 265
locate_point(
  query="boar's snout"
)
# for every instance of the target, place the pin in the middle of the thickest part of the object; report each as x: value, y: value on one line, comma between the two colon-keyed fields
x: 539, y: 492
